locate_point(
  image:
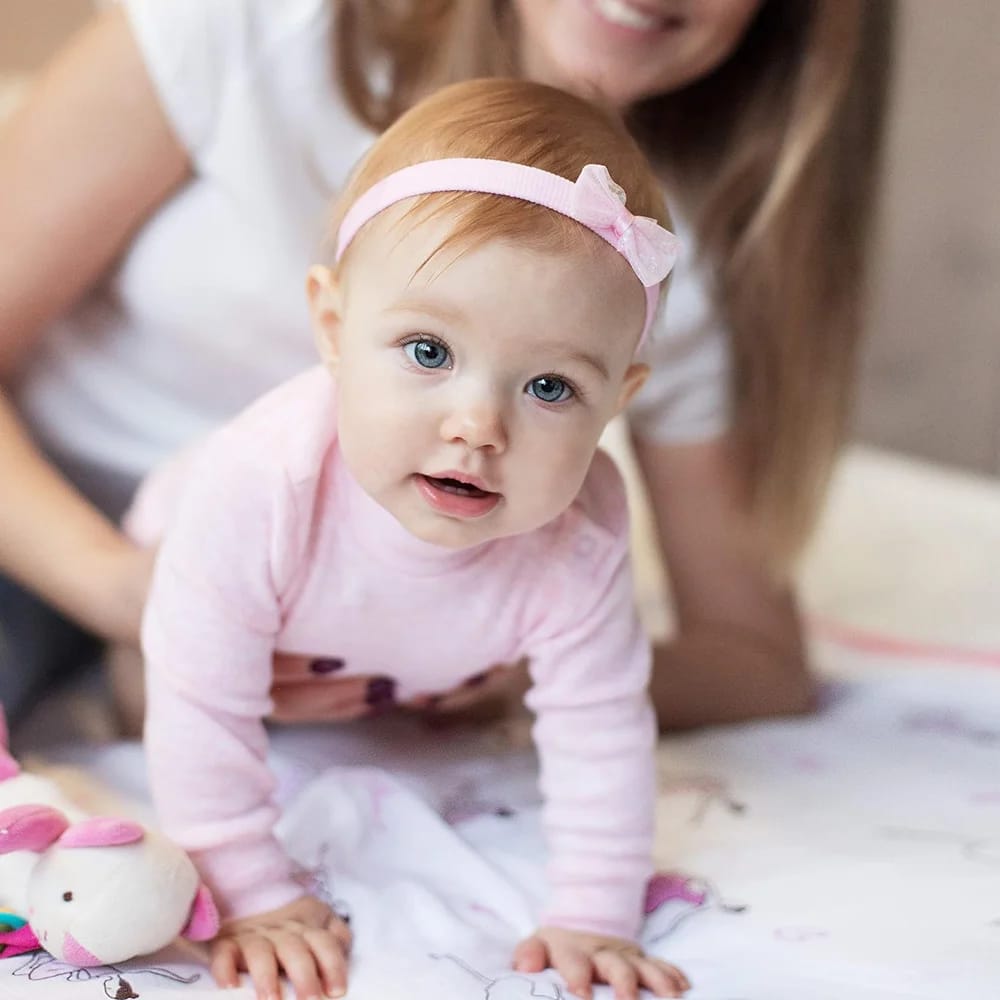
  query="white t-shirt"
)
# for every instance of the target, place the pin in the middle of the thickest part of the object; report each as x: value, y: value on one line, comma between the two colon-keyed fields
x: 207, y: 310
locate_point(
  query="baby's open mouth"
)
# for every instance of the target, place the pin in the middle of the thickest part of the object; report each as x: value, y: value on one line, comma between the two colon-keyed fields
x: 456, y: 497
x: 457, y: 487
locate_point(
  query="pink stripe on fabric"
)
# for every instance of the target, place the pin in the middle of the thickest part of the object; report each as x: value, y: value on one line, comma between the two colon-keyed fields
x: 874, y: 642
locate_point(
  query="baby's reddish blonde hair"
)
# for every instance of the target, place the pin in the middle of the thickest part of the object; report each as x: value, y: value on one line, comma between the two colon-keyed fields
x: 520, y: 122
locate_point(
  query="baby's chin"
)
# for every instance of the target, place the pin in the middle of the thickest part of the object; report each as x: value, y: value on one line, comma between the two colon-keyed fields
x: 448, y: 533
x: 453, y: 533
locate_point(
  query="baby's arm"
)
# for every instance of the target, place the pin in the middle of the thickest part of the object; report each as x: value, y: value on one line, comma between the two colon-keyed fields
x: 209, y: 635
x: 595, y: 734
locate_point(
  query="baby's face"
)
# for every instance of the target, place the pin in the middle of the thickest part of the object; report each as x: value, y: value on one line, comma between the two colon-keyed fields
x: 473, y: 390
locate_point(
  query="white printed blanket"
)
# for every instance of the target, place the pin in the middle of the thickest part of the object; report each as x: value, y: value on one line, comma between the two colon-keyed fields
x: 850, y: 856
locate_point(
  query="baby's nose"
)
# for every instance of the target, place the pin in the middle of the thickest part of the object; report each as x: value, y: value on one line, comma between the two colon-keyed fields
x: 478, y: 423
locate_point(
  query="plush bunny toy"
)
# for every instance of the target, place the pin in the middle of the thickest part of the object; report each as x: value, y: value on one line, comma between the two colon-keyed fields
x: 94, y: 890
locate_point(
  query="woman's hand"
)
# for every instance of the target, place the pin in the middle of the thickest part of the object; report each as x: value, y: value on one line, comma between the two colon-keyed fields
x: 481, y: 698
x: 308, y: 689
x: 583, y: 959
x: 305, y: 940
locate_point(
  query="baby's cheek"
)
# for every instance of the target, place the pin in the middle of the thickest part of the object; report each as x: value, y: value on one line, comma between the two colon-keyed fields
x: 558, y: 478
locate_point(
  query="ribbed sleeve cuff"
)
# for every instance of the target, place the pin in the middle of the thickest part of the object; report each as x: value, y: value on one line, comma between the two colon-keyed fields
x: 248, y: 878
x: 613, y: 908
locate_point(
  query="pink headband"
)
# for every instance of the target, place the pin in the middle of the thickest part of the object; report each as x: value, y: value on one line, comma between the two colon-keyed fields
x: 594, y: 201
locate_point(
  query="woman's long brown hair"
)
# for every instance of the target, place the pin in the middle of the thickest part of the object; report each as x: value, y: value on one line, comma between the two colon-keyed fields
x: 774, y: 159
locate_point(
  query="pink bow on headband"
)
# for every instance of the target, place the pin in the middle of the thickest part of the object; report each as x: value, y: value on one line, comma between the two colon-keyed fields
x: 599, y: 203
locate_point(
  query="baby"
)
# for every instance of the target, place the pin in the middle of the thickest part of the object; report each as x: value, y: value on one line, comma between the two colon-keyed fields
x: 427, y: 502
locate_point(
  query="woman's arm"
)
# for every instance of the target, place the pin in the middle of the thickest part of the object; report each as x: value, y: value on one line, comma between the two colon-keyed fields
x: 83, y: 163
x: 739, y: 650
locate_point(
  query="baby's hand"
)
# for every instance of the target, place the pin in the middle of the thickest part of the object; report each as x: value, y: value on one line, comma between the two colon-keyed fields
x: 582, y: 958
x: 306, y: 940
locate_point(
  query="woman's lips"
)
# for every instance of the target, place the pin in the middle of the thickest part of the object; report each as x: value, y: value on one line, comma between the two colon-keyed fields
x: 456, y: 497
x: 634, y: 17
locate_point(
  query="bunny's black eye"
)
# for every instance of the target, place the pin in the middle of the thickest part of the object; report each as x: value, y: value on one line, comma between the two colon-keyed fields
x: 67, y: 897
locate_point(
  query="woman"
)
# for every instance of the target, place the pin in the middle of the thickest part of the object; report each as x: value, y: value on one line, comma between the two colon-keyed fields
x: 163, y: 178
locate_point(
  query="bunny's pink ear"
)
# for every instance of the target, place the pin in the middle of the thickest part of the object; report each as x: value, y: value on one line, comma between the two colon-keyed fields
x: 102, y: 831
x: 30, y: 828
x: 203, y: 923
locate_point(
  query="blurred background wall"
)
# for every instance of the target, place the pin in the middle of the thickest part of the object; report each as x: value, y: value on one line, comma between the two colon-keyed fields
x: 931, y: 368
x: 931, y: 371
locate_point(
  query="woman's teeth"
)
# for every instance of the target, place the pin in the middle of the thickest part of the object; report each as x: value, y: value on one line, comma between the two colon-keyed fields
x: 623, y: 13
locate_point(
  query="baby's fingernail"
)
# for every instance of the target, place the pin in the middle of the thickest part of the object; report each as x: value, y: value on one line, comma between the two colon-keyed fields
x: 381, y: 692
x: 327, y: 665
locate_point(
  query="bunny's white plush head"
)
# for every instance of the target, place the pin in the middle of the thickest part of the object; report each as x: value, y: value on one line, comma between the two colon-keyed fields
x: 105, y: 890
x: 96, y: 890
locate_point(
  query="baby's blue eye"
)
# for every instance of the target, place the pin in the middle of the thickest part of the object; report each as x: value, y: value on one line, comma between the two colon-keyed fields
x: 427, y: 353
x: 550, y: 389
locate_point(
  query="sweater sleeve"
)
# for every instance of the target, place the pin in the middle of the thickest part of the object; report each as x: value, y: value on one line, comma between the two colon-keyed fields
x: 209, y: 633
x: 595, y: 734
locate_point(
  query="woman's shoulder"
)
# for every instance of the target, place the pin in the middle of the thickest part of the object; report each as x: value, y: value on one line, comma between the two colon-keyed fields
x: 201, y: 54
x: 250, y: 26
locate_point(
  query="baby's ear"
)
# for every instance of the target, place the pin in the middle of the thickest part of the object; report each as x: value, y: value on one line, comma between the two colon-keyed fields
x: 326, y: 307
x: 635, y: 377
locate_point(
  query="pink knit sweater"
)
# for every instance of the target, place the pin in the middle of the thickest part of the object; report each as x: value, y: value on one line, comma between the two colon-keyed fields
x: 270, y: 546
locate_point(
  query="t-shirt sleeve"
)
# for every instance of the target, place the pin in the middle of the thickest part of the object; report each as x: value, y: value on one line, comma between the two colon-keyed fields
x: 686, y: 397
x: 595, y: 734
x: 209, y: 632
x: 193, y: 50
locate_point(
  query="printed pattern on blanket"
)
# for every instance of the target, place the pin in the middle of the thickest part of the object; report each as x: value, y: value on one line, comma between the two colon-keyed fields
x: 852, y: 856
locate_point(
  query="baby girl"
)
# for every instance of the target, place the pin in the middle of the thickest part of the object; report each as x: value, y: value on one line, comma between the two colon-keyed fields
x: 428, y: 502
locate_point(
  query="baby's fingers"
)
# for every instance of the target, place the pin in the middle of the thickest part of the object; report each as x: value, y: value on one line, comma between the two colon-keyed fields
x: 262, y: 964
x: 341, y: 931
x: 619, y: 972
x: 661, y: 978
x: 330, y: 954
x: 225, y: 962
x: 574, y: 966
x: 531, y: 955
x: 296, y: 957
